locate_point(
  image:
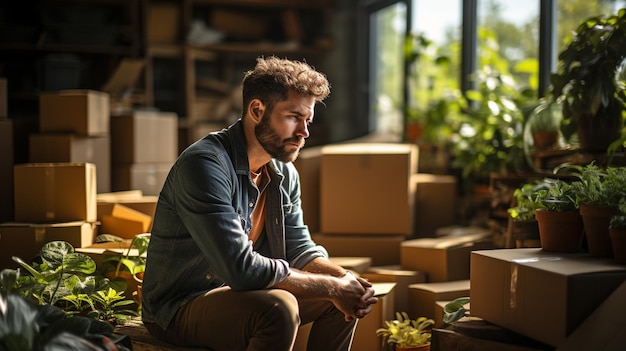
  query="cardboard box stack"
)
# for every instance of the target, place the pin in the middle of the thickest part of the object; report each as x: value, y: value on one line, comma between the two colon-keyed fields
x: 74, y: 127
x: 126, y: 213
x: 144, y: 145
x: 53, y: 201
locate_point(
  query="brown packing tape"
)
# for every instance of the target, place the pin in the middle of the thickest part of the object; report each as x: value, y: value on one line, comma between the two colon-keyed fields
x: 513, y: 286
x: 40, y: 236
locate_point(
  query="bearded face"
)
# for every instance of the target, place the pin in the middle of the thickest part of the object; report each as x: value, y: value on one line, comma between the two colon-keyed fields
x: 281, y: 149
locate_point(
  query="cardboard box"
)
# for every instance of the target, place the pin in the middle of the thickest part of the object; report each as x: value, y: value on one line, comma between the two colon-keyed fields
x: 383, y: 249
x: 6, y: 171
x: 308, y: 165
x: 365, y: 338
x: 604, y: 329
x: 443, y: 259
x: 147, y: 177
x: 55, y: 192
x: 163, y: 25
x: 144, y: 137
x: 133, y: 199
x: 474, y: 335
x: 362, y: 181
x: 83, y: 112
x: 358, y: 265
x: 435, y: 203
x: 423, y: 297
x: 59, y: 147
x: 24, y: 240
x: 125, y: 222
x: 542, y: 295
x: 401, y: 277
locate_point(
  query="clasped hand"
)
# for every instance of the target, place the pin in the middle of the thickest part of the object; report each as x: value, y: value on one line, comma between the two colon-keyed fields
x: 357, y: 297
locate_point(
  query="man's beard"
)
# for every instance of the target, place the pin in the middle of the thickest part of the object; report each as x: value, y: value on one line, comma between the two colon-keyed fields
x: 273, y: 145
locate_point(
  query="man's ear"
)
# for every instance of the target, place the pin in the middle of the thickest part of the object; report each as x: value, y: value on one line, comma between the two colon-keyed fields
x: 256, y: 108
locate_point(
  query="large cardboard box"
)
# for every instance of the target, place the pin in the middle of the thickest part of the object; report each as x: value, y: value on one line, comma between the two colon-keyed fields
x: 308, y: 165
x: 55, y: 192
x: 24, y: 240
x: 383, y: 249
x: 366, y: 188
x: 125, y: 222
x: 147, y: 177
x: 423, y: 297
x: 604, y: 329
x: 6, y: 170
x: 365, y: 338
x: 133, y: 199
x: 542, y: 295
x: 83, y: 112
x: 435, y: 203
x: 60, y: 147
x: 401, y: 277
x: 144, y: 137
x: 358, y: 265
x: 443, y: 259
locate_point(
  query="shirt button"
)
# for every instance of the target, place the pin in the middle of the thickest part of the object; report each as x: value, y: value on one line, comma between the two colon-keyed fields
x: 251, y: 204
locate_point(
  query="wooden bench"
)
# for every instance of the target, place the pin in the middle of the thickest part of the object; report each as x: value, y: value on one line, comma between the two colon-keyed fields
x: 142, y: 340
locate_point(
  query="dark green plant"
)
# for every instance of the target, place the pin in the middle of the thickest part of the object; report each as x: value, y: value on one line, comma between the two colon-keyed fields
x: 131, y: 261
x: 586, y: 77
x: 27, y: 326
x: 68, y: 280
x: 455, y: 310
x: 556, y: 195
x: 525, y: 201
x: 595, y: 185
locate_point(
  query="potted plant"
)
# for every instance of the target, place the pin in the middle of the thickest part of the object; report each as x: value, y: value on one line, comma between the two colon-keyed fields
x: 524, y: 227
x: 585, y: 82
x: 558, y: 216
x: 542, y: 125
x: 407, y: 334
x: 599, y: 191
x: 455, y: 309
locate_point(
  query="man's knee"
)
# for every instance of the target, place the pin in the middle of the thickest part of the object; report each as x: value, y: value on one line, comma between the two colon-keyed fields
x: 284, y: 305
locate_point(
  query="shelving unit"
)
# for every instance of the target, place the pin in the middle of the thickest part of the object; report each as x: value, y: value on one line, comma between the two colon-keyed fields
x: 205, y: 77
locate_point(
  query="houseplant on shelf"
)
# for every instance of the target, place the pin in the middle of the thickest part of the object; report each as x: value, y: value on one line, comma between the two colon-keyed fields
x: 598, y: 191
x: 588, y: 84
x: 524, y: 227
x: 407, y: 334
x: 558, y: 216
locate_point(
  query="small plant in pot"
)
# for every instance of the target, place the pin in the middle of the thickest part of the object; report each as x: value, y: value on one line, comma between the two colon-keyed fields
x: 524, y: 225
x: 407, y: 334
x: 558, y: 216
x: 598, y: 191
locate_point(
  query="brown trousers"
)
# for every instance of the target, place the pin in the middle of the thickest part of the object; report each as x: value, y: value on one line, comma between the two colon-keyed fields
x: 258, y: 320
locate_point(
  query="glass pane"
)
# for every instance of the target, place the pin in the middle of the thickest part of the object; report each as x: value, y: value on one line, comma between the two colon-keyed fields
x: 508, y: 39
x: 388, y: 28
x: 434, y: 54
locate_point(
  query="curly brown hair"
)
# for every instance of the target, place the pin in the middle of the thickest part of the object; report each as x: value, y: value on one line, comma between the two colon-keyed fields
x: 273, y: 78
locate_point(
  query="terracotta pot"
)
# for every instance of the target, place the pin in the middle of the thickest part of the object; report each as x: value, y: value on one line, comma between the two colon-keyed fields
x: 526, y: 234
x: 413, y: 348
x: 545, y: 140
x: 618, y: 243
x: 560, y: 231
x: 596, y: 221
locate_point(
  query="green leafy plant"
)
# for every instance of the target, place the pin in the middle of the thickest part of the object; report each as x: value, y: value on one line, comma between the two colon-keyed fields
x: 27, y: 326
x: 556, y: 195
x: 455, y: 310
x: 403, y: 331
x: 68, y: 280
x: 133, y: 260
x: 595, y: 185
x: 525, y: 201
x: 586, y: 80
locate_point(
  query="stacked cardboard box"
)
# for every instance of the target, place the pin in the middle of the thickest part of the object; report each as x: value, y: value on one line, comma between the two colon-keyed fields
x: 543, y: 295
x: 144, y: 145
x: 126, y: 213
x: 74, y: 127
